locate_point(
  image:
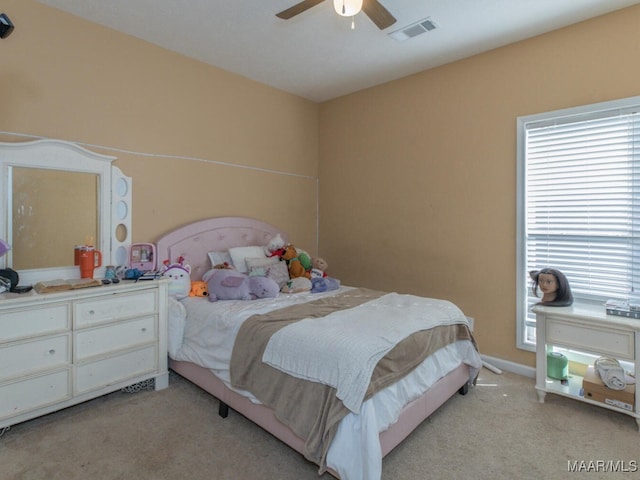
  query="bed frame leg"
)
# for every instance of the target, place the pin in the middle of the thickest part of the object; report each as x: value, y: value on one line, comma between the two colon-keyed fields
x: 223, y: 410
x: 463, y: 390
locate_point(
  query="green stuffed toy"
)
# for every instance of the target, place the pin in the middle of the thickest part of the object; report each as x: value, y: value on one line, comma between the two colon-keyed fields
x: 305, y: 260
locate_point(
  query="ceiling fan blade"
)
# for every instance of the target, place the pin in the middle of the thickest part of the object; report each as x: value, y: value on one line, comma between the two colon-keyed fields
x: 297, y: 9
x: 378, y: 14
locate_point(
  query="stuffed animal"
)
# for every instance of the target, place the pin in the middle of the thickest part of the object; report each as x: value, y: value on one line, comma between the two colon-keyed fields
x: 275, y: 246
x: 324, y: 284
x: 318, y: 267
x: 297, y: 285
x: 296, y: 269
x: 305, y: 260
x: 199, y: 289
x: 263, y: 287
x: 179, y: 274
x: 224, y: 265
x: 226, y: 284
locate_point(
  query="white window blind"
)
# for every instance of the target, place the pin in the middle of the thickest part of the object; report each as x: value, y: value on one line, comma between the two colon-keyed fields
x: 580, y: 203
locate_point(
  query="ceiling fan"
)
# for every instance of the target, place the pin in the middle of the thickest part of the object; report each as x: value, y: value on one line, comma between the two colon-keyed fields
x: 373, y: 8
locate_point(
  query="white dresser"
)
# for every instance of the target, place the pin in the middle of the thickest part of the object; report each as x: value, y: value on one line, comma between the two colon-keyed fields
x: 60, y: 349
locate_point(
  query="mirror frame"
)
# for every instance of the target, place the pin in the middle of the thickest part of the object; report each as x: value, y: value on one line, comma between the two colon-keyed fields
x: 60, y: 155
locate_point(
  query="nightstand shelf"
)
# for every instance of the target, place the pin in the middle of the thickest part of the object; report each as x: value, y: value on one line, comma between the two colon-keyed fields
x: 587, y: 330
x: 573, y: 389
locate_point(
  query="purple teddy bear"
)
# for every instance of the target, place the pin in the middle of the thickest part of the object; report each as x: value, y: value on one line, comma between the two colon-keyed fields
x: 226, y: 284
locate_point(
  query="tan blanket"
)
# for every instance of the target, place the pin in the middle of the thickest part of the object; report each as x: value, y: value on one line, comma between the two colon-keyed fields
x: 310, y: 409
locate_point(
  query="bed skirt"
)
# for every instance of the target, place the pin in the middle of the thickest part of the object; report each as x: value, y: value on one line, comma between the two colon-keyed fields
x: 411, y: 416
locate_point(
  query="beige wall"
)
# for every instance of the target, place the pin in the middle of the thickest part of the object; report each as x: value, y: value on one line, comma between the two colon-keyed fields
x: 62, y: 77
x: 418, y: 176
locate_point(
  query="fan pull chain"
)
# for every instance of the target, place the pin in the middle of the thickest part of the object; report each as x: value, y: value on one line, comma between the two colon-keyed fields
x: 353, y: 23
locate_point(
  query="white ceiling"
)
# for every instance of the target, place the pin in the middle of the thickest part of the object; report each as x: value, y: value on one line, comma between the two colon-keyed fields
x: 316, y: 55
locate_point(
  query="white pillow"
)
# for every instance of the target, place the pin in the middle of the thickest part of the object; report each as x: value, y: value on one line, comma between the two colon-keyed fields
x: 218, y: 258
x: 258, y: 267
x: 253, y: 262
x: 278, y: 272
x: 240, y: 254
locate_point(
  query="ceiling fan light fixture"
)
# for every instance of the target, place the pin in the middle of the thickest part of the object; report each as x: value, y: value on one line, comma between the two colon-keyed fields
x: 347, y: 8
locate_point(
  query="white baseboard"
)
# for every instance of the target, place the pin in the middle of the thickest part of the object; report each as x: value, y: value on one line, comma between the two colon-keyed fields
x: 508, y: 366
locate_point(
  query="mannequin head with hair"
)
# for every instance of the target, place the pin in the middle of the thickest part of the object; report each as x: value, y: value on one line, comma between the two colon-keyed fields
x: 554, y: 286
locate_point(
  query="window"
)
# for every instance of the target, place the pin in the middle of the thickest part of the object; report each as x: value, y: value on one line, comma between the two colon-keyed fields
x: 579, y: 203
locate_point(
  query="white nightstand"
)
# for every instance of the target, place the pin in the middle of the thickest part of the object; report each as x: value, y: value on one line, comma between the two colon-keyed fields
x: 584, y: 329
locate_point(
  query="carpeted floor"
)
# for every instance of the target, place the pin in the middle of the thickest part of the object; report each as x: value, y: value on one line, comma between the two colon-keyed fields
x: 497, y: 431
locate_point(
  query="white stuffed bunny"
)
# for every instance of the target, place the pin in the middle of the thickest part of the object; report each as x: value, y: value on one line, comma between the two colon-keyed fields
x: 274, y: 245
x: 180, y: 276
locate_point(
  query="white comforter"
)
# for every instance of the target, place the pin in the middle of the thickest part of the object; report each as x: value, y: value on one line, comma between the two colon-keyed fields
x: 203, y: 332
x: 342, y: 349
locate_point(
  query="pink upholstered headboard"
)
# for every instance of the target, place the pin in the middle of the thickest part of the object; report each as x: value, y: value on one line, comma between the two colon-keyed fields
x: 195, y: 240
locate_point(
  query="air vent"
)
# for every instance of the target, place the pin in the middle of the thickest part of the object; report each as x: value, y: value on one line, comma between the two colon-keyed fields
x: 422, y: 26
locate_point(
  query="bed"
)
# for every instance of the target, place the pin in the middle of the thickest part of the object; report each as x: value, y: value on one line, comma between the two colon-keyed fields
x: 360, y: 438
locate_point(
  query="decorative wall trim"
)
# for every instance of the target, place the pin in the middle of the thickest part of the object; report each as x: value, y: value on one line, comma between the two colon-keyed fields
x: 160, y: 155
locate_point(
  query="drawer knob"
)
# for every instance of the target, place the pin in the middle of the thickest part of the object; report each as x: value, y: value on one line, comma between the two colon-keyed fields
x: 52, y: 351
x: 91, y: 312
x: 144, y: 329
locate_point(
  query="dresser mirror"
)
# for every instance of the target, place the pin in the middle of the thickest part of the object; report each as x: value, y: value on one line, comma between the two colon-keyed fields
x: 59, y: 195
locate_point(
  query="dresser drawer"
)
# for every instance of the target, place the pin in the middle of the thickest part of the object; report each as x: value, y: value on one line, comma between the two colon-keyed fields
x: 22, y: 323
x: 106, y: 309
x: 34, y: 392
x: 105, y: 372
x: 592, y: 338
x: 23, y: 358
x: 119, y: 336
